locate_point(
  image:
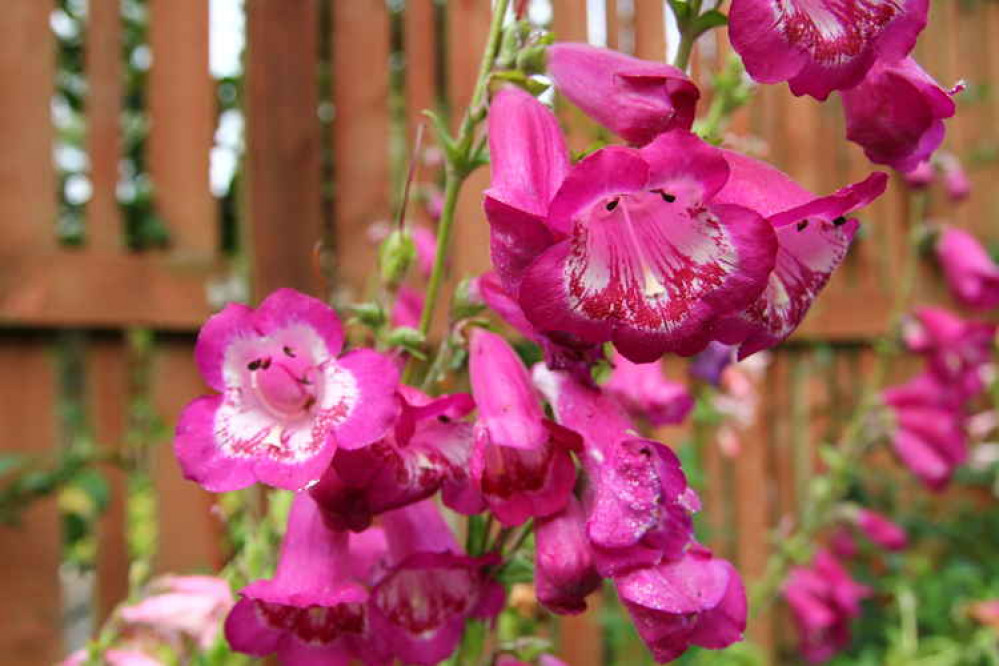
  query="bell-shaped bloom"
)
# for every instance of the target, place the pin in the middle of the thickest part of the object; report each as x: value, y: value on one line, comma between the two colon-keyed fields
x: 628, y: 246
x: 896, y: 114
x: 521, y: 462
x: 696, y: 600
x: 821, y: 46
x: 646, y: 393
x: 182, y: 607
x: 928, y: 435
x: 955, y: 179
x: 427, y: 449
x: 564, y: 571
x: 972, y: 275
x: 921, y: 176
x: 420, y: 604
x: 313, y: 610
x: 709, y: 364
x: 813, y: 236
x: 636, y: 99
x: 881, y: 531
x: 959, y: 352
x: 287, y: 401
x: 823, y: 599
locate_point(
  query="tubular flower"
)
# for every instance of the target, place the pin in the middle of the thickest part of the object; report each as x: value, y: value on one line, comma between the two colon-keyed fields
x: 636, y: 99
x: 428, y: 449
x: 955, y: 179
x: 921, y: 176
x: 645, y: 392
x: 813, y: 235
x: 287, y: 401
x: 896, y: 114
x: 420, y: 604
x: 696, y: 600
x: 882, y: 531
x: 564, y: 570
x: 313, y: 610
x: 928, y: 435
x: 521, y: 462
x: 823, y: 599
x: 183, y: 607
x: 629, y: 245
x: 971, y: 274
x: 818, y: 47
x: 959, y: 352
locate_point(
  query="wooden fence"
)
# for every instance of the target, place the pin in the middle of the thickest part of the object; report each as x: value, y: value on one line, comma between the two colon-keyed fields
x: 311, y: 190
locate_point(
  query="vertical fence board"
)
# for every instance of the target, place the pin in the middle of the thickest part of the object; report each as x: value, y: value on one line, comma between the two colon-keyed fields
x: 103, y: 69
x: 29, y: 583
x: 360, y: 135
x: 283, y: 142
x: 650, y: 30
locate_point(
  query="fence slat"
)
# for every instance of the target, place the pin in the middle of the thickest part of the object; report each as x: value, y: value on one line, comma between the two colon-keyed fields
x: 650, y: 30
x: 182, y: 113
x: 103, y: 69
x: 29, y: 583
x: 283, y: 139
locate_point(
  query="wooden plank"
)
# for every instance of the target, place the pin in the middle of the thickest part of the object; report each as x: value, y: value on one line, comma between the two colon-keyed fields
x: 581, y: 637
x: 189, y: 533
x: 29, y: 580
x: 103, y: 290
x: 107, y: 382
x: 182, y: 111
x: 103, y: 69
x: 27, y: 179
x: 360, y: 138
x: 650, y: 30
x: 283, y: 202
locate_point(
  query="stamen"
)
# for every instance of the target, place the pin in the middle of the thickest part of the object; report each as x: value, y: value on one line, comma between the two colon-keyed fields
x: 253, y: 365
x: 839, y: 221
x: 288, y: 351
x: 666, y: 196
x: 612, y: 204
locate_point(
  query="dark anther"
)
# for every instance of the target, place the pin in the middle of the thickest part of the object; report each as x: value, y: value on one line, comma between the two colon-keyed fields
x: 265, y: 363
x: 253, y: 365
x: 288, y: 351
x: 839, y: 221
x: 667, y: 197
x: 612, y: 204
x: 802, y: 225
x: 443, y: 419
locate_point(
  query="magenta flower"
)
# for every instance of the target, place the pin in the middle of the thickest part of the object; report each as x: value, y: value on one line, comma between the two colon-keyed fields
x: 681, y: 262
x: 695, y: 600
x: 426, y: 247
x: 407, y: 308
x: 955, y: 179
x: 818, y: 47
x: 521, y: 462
x: 813, y: 236
x: 181, y: 607
x: 842, y: 544
x: 287, y: 402
x: 313, y: 609
x: 823, y: 600
x: 896, y: 114
x: 419, y: 606
x: 972, y: 275
x: 646, y: 393
x: 959, y: 352
x: 928, y: 435
x: 427, y: 449
x: 881, y: 531
x: 636, y: 99
x: 564, y: 570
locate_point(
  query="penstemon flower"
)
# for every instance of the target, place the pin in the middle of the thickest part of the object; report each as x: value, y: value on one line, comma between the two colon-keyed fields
x: 881, y: 531
x: 287, y: 401
x: 818, y: 47
x: 646, y: 393
x: 972, y: 275
x: 564, y: 570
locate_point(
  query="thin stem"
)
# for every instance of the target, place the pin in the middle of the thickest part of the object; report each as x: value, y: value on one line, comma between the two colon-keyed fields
x: 459, y: 166
x: 688, y: 35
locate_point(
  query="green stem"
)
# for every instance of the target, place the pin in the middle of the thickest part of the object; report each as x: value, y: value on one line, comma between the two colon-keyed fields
x: 459, y: 166
x: 852, y: 444
x: 687, y: 35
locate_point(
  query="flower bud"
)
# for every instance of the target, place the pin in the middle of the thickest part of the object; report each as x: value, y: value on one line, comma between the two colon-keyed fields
x: 395, y: 256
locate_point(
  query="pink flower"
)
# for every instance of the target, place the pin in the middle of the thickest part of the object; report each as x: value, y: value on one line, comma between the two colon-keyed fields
x: 896, y: 114
x: 921, y: 176
x: 314, y: 610
x: 520, y: 463
x: 113, y: 657
x: 287, y: 402
x: 813, y: 235
x: 842, y: 544
x: 959, y: 352
x: 564, y: 570
x: 823, y: 599
x: 695, y: 600
x: 928, y: 434
x: 543, y: 660
x: 818, y: 47
x: 972, y: 275
x: 645, y: 392
x: 956, y: 181
x: 407, y: 308
x: 882, y: 531
x: 636, y: 99
x: 427, y: 450
x: 183, y: 606
x: 426, y: 248
x: 709, y: 364
x: 420, y: 605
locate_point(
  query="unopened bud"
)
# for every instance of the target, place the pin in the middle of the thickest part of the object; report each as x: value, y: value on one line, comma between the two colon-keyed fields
x: 395, y: 256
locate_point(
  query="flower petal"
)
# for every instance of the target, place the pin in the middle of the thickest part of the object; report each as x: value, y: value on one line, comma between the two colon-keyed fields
x: 373, y: 408
x: 199, y: 456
